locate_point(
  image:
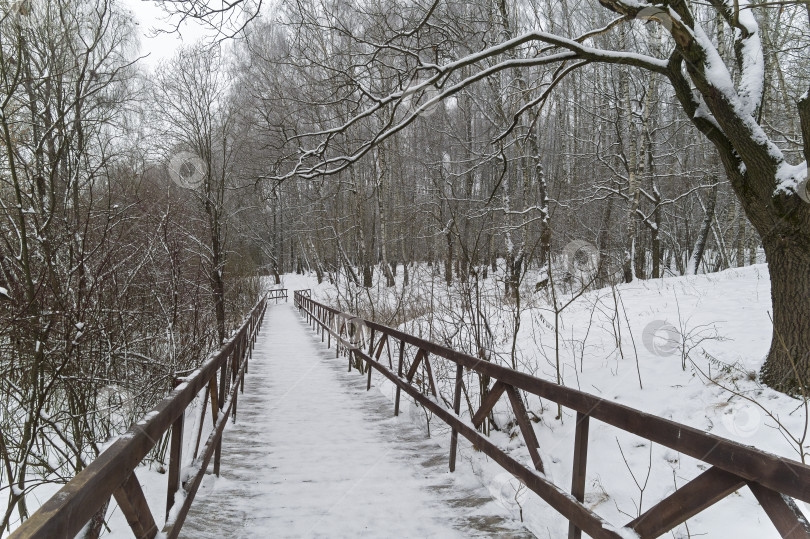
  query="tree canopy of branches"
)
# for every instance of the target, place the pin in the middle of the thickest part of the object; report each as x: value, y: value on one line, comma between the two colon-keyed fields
x: 349, y: 76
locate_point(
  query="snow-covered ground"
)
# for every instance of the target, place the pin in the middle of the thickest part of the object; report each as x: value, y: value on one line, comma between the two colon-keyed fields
x: 684, y: 348
x: 313, y: 455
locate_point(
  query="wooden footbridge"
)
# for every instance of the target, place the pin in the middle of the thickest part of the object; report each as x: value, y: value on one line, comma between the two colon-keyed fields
x: 307, y: 481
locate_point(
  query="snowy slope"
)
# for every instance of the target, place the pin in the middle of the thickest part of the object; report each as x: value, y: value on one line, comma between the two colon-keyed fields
x: 718, y: 325
x: 724, y: 318
x: 696, y: 344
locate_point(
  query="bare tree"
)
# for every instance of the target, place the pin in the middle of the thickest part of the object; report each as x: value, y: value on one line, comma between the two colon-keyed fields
x: 720, y: 90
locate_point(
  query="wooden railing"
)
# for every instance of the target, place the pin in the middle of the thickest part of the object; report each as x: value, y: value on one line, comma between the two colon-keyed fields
x: 277, y: 294
x: 774, y: 481
x: 112, y: 473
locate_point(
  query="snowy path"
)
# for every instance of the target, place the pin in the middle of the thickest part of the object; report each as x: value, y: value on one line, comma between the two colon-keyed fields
x: 314, y: 455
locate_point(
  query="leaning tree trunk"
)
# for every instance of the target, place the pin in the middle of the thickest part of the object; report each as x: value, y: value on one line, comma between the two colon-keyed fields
x: 767, y: 187
x: 700, y: 244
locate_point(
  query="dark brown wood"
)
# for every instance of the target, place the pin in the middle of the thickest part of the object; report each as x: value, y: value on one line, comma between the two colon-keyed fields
x: 457, y: 410
x: 371, y: 343
x: 700, y: 493
x: 132, y: 502
x: 66, y: 513
x: 333, y: 325
x: 429, y: 370
x: 223, y: 377
x: 202, y: 423
x: 277, y: 294
x: 388, y: 351
x: 580, y: 464
x: 237, y: 353
x: 399, y: 375
x: 172, y: 528
x: 383, y: 341
x: 560, y: 500
x: 235, y: 402
x: 212, y: 391
x: 781, y: 474
x: 529, y: 436
x: 415, y: 365
x: 489, y: 402
x: 175, y: 461
x: 788, y: 519
x: 732, y: 464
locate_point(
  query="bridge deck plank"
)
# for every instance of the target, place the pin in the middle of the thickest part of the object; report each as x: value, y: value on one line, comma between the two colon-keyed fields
x: 313, y: 455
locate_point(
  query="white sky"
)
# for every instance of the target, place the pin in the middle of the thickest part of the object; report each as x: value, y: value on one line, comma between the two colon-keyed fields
x: 159, y: 46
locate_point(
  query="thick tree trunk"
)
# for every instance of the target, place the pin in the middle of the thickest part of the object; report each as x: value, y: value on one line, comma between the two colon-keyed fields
x: 789, y: 356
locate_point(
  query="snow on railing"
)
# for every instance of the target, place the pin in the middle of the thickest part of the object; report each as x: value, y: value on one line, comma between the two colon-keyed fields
x: 775, y: 481
x: 112, y: 473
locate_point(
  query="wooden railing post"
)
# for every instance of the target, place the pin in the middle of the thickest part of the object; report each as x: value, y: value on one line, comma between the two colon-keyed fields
x: 456, y: 409
x: 112, y: 474
x: 399, y: 374
x: 237, y: 363
x: 580, y: 465
x: 245, y: 359
x: 774, y: 480
x: 133, y: 505
x: 371, y: 343
x: 220, y: 403
x: 175, y: 461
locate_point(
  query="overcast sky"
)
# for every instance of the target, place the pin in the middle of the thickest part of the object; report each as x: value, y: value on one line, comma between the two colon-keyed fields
x: 151, y: 17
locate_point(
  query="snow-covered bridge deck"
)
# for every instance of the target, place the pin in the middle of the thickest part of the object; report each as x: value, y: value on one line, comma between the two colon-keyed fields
x: 312, y: 454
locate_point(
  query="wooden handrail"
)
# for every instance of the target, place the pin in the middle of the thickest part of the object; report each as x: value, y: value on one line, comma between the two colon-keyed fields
x: 277, y: 294
x: 112, y: 473
x: 774, y: 480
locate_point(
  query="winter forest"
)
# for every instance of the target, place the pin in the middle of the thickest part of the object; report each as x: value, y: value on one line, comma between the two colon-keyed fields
x: 577, y: 189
